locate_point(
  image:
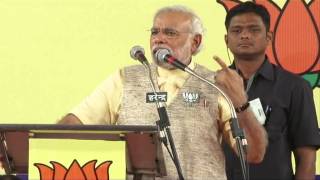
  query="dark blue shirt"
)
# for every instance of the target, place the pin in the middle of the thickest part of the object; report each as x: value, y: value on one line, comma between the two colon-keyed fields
x: 291, y: 122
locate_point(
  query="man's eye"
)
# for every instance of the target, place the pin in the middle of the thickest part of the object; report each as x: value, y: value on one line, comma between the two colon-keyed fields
x: 154, y: 32
x: 235, y: 31
x: 255, y: 30
x: 171, y: 33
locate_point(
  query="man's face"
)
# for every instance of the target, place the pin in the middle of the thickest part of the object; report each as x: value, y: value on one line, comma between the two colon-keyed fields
x: 247, y: 36
x: 172, y: 30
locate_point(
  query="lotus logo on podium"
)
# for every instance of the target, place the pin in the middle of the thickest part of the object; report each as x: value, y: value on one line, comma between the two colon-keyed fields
x: 88, y: 171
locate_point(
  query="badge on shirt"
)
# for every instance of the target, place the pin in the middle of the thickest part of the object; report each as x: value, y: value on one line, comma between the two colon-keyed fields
x: 191, y: 97
x: 159, y: 97
x: 257, y: 110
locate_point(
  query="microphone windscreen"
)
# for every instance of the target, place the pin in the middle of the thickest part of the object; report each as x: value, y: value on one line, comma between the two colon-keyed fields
x: 161, y: 54
x: 134, y: 50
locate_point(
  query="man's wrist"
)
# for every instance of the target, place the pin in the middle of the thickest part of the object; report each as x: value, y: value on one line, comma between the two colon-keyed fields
x: 243, y: 107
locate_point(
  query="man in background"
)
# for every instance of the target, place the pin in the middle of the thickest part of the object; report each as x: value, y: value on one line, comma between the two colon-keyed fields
x: 287, y: 101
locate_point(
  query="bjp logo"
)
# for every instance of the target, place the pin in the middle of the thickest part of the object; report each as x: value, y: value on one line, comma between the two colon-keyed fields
x: 296, y: 30
x: 75, y: 171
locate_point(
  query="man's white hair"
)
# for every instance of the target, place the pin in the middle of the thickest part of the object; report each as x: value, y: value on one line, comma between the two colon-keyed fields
x: 196, y: 23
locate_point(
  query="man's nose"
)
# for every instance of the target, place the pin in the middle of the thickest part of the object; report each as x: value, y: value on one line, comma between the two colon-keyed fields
x: 159, y: 38
x: 245, y: 34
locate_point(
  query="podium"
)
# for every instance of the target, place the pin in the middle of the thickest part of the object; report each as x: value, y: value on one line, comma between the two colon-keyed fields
x: 143, y: 152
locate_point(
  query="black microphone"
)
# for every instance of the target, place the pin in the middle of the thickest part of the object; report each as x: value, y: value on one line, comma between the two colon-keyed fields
x: 164, y: 55
x: 137, y: 53
x: 163, y: 124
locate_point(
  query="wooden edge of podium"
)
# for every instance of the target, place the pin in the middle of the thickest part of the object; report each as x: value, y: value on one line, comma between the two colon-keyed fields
x: 144, y: 152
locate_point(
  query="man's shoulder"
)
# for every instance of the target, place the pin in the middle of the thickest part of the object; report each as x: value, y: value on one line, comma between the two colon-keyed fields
x: 204, y: 70
x: 134, y: 74
x: 133, y: 67
x: 289, y: 77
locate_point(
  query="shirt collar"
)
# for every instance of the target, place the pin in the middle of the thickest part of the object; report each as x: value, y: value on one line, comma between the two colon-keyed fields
x: 265, y: 70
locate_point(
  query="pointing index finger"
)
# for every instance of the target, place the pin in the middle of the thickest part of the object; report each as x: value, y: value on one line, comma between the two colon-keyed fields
x: 220, y: 62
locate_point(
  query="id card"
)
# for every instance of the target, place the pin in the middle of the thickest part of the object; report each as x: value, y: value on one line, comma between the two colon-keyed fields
x: 257, y: 110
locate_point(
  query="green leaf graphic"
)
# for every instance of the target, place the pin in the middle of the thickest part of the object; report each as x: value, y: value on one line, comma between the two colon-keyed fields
x: 313, y: 79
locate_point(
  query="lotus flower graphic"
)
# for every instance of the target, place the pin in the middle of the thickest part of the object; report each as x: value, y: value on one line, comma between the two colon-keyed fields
x: 296, y: 44
x: 75, y: 171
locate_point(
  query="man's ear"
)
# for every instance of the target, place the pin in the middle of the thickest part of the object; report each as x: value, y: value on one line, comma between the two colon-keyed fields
x: 197, y: 39
x: 226, y: 39
x: 269, y: 36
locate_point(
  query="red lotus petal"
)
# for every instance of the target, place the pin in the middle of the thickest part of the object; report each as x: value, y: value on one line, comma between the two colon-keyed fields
x: 316, y: 68
x: 228, y: 4
x: 103, y: 170
x: 59, y: 171
x: 75, y: 172
x: 296, y: 42
x: 89, y: 170
x: 314, y: 7
x: 274, y: 12
x: 46, y: 172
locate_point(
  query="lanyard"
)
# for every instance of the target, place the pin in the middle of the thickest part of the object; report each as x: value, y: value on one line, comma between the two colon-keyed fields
x: 249, y: 82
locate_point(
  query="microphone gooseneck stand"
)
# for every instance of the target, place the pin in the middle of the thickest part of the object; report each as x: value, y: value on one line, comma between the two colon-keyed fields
x: 237, y: 132
x: 164, y: 125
